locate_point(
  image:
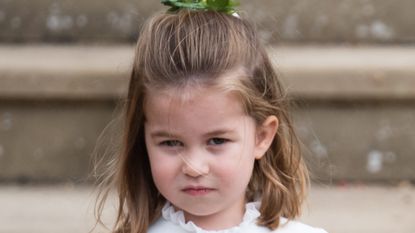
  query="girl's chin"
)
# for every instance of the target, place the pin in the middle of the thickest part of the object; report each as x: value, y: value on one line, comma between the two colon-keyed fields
x: 199, y: 211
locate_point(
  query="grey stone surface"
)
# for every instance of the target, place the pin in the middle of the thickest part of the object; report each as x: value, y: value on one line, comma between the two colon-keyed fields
x: 50, y: 141
x: 356, y: 112
x: 309, y: 72
x: 344, y: 209
x: 347, y: 73
x: 64, y: 72
x: 368, y: 142
x: 301, y: 21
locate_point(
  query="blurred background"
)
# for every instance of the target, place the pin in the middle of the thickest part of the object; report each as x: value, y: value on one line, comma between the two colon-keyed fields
x: 348, y: 65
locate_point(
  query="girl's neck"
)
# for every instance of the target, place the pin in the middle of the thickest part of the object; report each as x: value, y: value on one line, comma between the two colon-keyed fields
x: 223, y: 219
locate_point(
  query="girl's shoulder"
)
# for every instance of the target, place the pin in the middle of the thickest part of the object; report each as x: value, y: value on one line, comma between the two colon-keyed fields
x: 173, y: 221
x: 292, y: 226
x: 286, y: 227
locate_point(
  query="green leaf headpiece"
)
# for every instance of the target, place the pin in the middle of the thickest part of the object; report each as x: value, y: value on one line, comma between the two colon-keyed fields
x: 226, y: 6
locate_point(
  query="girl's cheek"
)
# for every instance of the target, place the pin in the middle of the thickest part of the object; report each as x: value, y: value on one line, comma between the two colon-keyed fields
x: 159, y: 161
x: 163, y: 171
x: 237, y: 165
x: 227, y: 167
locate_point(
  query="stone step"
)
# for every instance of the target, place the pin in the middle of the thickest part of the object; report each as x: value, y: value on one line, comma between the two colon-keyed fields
x: 355, y: 113
x: 332, y: 208
x: 300, y: 21
x: 309, y: 72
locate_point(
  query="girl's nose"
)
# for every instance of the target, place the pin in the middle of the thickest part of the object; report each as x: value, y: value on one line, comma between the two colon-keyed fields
x: 195, y: 167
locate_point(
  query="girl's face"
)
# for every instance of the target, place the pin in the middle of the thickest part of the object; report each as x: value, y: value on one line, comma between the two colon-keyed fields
x: 202, y: 151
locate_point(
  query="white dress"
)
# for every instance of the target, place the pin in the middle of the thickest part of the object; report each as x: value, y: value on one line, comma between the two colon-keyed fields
x: 173, y: 222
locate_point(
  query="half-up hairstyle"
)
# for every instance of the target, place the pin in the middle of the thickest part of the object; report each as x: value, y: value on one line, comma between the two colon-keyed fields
x: 175, y: 49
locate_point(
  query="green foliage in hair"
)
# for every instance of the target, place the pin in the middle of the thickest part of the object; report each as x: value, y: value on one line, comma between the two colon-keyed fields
x: 226, y: 6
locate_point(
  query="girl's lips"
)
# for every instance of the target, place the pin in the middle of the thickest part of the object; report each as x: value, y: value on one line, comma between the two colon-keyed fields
x: 197, y: 191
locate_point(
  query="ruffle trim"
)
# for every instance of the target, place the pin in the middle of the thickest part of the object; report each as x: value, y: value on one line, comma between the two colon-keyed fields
x: 177, y: 217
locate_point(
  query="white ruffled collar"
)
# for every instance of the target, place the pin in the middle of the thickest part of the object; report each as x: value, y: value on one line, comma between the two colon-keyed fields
x: 177, y: 217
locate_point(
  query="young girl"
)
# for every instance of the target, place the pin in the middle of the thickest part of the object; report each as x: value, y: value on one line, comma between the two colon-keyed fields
x: 209, y: 145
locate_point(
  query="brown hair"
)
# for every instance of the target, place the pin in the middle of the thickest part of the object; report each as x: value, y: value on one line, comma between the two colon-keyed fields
x: 176, y: 49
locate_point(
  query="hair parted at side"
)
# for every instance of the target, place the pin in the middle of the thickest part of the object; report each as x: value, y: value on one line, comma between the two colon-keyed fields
x: 173, y: 50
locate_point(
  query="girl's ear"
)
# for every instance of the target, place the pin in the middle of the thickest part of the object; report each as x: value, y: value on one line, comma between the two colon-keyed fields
x: 265, y: 135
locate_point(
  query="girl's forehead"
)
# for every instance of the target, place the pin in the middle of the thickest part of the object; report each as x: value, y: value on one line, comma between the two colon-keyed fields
x: 199, y: 94
x: 200, y: 112
x: 189, y: 95
x: 199, y: 100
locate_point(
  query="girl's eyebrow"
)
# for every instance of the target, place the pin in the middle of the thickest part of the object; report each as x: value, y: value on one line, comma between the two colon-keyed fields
x: 162, y: 134
x: 219, y: 132
x: 165, y: 134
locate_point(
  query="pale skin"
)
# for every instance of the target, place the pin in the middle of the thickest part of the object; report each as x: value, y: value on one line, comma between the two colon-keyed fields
x: 202, y: 150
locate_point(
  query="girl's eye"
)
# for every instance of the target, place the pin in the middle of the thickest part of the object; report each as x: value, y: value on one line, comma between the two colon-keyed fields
x: 171, y: 143
x: 217, y: 141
